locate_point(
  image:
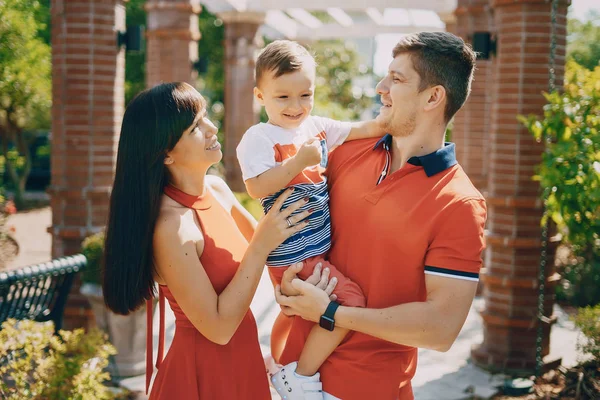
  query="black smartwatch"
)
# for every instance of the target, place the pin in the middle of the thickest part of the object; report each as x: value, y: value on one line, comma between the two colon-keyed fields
x: 327, y: 321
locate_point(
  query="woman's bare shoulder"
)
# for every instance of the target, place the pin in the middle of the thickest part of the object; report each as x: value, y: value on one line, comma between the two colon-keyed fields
x: 175, y: 222
x: 221, y: 191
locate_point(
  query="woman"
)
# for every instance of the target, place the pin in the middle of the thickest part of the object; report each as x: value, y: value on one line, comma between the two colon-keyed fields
x: 170, y: 223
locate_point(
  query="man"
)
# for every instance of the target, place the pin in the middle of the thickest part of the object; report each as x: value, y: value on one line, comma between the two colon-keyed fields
x: 407, y: 226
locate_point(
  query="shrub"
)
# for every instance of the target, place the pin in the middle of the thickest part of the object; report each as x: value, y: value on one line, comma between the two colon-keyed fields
x: 588, y: 321
x: 570, y: 174
x: 252, y: 205
x: 39, y: 365
x: 93, y: 249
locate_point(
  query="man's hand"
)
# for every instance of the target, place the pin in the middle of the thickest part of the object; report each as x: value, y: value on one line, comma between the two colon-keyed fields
x: 310, y: 303
x: 310, y: 152
x: 318, y: 279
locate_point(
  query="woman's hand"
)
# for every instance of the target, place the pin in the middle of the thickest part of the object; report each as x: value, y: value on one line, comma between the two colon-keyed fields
x: 278, y: 225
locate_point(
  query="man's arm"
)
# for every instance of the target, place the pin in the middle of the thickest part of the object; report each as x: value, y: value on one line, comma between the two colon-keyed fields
x: 365, y: 130
x: 433, y: 324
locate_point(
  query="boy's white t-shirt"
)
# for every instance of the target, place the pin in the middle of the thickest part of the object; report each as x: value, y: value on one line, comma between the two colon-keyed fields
x: 265, y: 146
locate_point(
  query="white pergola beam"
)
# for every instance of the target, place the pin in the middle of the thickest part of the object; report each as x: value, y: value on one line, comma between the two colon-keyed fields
x: 340, y: 16
x: 218, y: 6
x: 335, y: 31
x: 375, y: 15
x: 352, y: 5
x: 304, y: 17
x: 279, y: 21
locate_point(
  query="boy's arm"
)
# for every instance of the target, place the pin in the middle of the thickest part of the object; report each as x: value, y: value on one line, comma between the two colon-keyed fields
x: 365, y: 130
x: 276, y: 178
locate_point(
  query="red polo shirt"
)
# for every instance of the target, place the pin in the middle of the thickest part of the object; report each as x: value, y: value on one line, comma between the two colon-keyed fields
x: 388, y: 231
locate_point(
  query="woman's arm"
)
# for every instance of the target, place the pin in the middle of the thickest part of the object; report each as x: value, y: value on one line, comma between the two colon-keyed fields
x: 176, y: 253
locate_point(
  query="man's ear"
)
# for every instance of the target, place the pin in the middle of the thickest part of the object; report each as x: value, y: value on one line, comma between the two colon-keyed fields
x: 259, y: 96
x: 437, y: 98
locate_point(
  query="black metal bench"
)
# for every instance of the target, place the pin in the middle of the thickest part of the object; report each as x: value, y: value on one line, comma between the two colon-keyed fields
x: 39, y: 292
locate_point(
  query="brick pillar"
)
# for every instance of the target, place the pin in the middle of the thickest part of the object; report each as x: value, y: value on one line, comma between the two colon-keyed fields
x: 172, y: 41
x: 450, y: 20
x: 513, y: 255
x: 88, y: 77
x: 241, y: 111
x: 471, y: 127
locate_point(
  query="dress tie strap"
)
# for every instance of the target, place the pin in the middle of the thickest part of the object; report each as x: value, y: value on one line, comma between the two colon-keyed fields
x: 149, y: 336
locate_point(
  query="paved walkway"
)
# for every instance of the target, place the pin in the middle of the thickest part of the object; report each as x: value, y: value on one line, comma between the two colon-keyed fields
x: 440, y: 376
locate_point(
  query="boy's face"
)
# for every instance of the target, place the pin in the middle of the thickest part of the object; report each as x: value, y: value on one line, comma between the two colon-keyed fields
x: 289, y: 98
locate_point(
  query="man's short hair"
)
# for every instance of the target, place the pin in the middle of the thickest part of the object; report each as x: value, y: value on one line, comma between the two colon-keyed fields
x: 281, y: 57
x: 441, y: 58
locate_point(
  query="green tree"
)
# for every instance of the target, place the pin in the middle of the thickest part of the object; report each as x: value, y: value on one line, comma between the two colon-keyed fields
x: 583, y: 40
x: 570, y: 175
x: 135, y: 62
x: 338, y: 65
x: 25, y: 84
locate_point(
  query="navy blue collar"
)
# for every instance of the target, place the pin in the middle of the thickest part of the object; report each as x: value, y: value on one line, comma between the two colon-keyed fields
x: 433, y: 163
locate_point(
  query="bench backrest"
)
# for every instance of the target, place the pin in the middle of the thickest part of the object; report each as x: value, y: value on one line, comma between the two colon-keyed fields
x: 39, y: 292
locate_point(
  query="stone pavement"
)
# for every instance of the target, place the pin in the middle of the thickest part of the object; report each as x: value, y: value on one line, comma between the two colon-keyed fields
x: 440, y: 376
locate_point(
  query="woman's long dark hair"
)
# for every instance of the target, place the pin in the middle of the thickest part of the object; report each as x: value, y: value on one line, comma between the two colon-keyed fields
x: 153, y: 123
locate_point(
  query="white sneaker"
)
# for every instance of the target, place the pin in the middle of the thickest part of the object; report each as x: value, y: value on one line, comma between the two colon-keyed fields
x: 271, y: 366
x: 291, y: 386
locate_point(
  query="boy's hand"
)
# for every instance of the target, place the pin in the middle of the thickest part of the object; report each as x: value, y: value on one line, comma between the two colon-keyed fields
x: 310, y: 152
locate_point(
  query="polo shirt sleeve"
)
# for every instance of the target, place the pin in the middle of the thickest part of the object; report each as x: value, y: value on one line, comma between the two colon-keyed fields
x: 336, y: 132
x: 255, y: 154
x: 455, y: 250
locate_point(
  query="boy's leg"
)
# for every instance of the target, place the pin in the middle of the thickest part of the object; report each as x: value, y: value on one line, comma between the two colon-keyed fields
x: 319, y: 345
x: 320, y: 342
x: 279, y: 334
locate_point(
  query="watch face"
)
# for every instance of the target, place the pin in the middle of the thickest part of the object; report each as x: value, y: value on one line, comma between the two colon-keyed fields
x: 327, y: 323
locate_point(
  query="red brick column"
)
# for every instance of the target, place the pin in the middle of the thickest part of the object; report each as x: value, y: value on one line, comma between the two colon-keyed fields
x: 450, y: 20
x: 172, y: 41
x: 471, y: 127
x: 88, y: 73
x: 241, y: 112
x: 513, y: 255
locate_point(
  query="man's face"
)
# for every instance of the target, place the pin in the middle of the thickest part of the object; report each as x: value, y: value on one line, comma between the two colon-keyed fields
x: 289, y: 98
x: 400, y: 96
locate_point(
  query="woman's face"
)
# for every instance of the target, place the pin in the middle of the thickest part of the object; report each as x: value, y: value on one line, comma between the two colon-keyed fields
x: 198, y: 146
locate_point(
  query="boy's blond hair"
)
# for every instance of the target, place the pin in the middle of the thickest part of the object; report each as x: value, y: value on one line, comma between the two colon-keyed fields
x: 281, y: 57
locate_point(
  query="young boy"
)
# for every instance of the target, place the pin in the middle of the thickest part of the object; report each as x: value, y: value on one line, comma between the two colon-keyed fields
x: 291, y: 150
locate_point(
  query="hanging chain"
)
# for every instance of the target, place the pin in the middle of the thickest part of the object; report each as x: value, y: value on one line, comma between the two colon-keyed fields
x: 543, y: 320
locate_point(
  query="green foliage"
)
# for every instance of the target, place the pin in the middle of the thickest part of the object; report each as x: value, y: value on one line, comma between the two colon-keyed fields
x: 252, y: 205
x: 211, y: 50
x: 211, y: 54
x: 338, y: 65
x: 588, y: 321
x: 39, y: 365
x: 135, y: 62
x: 570, y: 174
x: 583, y: 40
x: 93, y: 249
x: 25, y: 80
